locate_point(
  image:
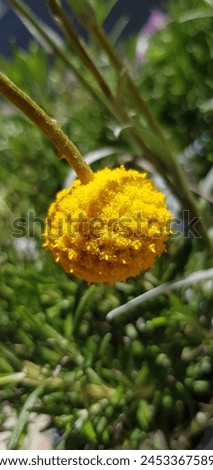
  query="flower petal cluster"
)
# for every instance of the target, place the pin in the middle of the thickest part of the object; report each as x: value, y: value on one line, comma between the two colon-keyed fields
x: 109, y: 229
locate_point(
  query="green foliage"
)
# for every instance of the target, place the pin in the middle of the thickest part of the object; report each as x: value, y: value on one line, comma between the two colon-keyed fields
x: 104, y: 384
x: 174, y: 82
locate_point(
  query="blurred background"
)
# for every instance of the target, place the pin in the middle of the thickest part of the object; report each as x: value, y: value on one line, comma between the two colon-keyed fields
x: 13, y: 31
x: 91, y: 380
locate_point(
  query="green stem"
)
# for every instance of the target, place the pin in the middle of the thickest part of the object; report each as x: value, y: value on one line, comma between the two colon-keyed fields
x: 66, y: 148
x: 112, y: 102
x: 172, y: 173
x: 12, y: 378
x: 23, y: 417
x: 87, y: 17
x: 75, y: 42
x: 26, y: 13
x: 106, y: 99
x: 21, y: 8
x: 79, y: 312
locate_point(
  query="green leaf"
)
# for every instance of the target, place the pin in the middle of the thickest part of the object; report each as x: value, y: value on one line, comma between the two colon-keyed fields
x: 155, y: 145
x: 23, y: 417
x: 196, y: 15
x: 89, y: 431
x: 118, y: 29
x: 144, y: 414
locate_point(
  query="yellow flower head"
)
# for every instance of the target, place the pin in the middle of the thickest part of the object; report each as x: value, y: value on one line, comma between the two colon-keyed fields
x: 108, y: 229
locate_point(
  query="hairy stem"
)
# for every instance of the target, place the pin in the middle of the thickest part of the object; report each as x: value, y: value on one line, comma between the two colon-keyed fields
x: 105, y: 96
x: 65, y: 147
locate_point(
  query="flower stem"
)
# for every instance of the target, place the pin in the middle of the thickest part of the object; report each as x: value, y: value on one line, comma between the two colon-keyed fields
x: 111, y: 101
x: 170, y: 168
x: 65, y: 147
x: 105, y: 96
x: 59, y: 13
x: 87, y: 17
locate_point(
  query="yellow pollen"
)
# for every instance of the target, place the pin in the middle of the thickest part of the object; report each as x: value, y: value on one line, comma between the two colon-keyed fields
x: 152, y: 248
x: 118, y: 224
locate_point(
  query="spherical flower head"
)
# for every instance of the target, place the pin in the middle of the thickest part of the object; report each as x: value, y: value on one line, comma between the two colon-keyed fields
x: 109, y: 229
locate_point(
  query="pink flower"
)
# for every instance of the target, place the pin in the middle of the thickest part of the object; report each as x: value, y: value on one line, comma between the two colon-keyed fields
x: 157, y: 20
